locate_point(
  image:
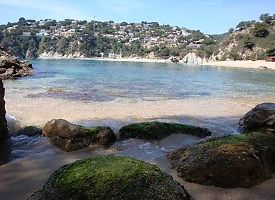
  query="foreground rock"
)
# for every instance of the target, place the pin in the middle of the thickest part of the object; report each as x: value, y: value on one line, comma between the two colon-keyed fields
x: 115, y: 178
x: 237, y: 161
x: 3, y: 122
x: 11, y: 67
x: 71, y: 137
x: 159, y: 130
x: 262, y: 117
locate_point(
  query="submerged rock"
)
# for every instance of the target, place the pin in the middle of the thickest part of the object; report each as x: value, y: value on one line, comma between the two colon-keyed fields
x: 159, y: 130
x: 236, y: 161
x: 71, y: 137
x: 4, y: 133
x: 11, y: 67
x: 30, y: 131
x: 262, y: 117
x: 116, y: 178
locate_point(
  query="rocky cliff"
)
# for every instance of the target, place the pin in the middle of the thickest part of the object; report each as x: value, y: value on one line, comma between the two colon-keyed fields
x: 3, y: 122
x: 11, y: 67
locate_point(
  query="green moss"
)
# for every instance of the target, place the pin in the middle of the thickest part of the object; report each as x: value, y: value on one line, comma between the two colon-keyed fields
x: 111, y: 178
x: 91, y: 132
x: 253, y: 138
x: 159, y: 130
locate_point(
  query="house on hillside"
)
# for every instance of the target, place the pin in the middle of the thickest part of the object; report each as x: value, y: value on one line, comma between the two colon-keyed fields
x: 270, y: 59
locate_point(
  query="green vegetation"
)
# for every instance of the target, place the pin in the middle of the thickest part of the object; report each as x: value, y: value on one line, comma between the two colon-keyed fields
x: 260, y: 30
x: 159, y: 130
x: 29, y: 39
x: 117, y: 178
x: 251, y: 40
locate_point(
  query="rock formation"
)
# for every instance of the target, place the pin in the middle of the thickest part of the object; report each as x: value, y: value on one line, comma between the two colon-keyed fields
x: 116, y: 178
x: 262, y: 117
x: 3, y: 122
x: 243, y: 160
x: 159, y: 130
x: 11, y: 67
x: 71, y: 137
x: 193, y: 59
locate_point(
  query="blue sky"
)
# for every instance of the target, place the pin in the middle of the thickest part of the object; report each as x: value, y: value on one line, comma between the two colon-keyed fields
x: 209, y: 16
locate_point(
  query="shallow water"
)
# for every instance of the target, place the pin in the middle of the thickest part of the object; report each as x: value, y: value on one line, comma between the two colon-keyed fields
x: 117, y: 93
x: 93, y: 81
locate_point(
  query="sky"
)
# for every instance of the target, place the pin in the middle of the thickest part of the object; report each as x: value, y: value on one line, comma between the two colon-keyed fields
x: 209, y: 16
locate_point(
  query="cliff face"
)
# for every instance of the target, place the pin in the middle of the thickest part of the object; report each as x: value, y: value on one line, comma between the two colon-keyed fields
x: 3, y: 121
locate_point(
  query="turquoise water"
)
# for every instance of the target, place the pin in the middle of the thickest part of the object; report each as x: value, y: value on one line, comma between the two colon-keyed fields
x: 107, y: 81
x: 95, y: 81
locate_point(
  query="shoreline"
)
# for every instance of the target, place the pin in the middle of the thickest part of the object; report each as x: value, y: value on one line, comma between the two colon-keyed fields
x: 245, y: 64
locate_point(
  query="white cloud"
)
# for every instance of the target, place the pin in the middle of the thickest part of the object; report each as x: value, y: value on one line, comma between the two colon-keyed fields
x: 58, y: 8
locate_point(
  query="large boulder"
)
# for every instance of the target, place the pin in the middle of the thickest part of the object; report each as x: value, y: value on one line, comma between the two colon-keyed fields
x: 159, y: 130
x: 71, y: 137
x: 237, y: 161
x: 3, y: 122
x: 11, y: 67
x: 116, y: 178
x: 262, y: 117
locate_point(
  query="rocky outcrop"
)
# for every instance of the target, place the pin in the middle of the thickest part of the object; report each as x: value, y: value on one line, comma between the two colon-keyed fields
x: 71, y: 137
x: 159, y: 130
x: 115, y: 178
x: 172, y: 59
x: 3, y: 122
x: 30, y: 131
x: 192, y: 59
x: 11, y: 67
x: 238, y: 161
x: 262, y: 117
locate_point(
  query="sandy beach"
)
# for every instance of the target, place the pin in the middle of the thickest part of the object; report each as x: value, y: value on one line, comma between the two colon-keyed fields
x: 243, y: 64
x: 247, y: 64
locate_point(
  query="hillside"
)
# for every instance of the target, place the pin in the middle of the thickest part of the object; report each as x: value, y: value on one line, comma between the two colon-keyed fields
x: 73, y: 39
x: 251, y: 40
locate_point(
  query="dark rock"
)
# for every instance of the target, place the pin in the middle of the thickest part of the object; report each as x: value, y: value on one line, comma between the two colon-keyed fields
x: 262, y: 117
x: 13, y: 68
x: 106, y: 137
x: 116, y: 178
x: 244, y: 160
x: 4, y: 133
x: 71, y: 137
x: 159, y: 130
x: 30, y: 131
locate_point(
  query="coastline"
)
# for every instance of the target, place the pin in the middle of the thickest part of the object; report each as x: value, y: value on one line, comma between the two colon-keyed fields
x: 142, y: 60
x: 245, y: 64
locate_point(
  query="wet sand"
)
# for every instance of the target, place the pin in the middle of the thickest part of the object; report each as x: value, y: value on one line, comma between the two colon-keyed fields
x: 215, y: 114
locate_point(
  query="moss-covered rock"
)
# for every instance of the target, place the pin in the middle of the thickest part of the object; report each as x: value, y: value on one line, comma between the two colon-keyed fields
x: 159, y: 130
x: 236, y: 161
x: 114, y: 178
x: 71, y: 137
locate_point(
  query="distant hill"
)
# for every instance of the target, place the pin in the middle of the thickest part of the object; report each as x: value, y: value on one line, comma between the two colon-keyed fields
x: 251, y: 40
x: 74, y: 39
x: 82, y: 39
